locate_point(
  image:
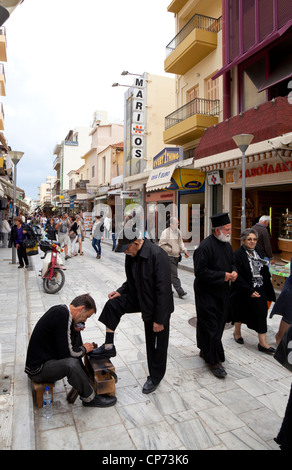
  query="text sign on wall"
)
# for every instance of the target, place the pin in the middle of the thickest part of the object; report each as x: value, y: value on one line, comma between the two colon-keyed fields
x: 137, y: 131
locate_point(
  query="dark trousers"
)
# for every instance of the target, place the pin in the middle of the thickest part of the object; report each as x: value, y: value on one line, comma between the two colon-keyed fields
x: 57, y: 369
x: 174, y: 275
x: 96, y: 245
x: 156, y: 343
x: 22, y: 255
x: 284, y: 438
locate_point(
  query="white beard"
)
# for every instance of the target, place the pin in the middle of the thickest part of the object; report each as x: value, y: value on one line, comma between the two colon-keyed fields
x: 224, y: 238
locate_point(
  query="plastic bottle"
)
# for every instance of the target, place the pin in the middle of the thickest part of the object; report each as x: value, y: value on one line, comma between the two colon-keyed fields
x: 47, y: 403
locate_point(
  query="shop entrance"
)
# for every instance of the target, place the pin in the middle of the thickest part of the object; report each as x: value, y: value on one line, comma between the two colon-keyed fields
x: 267, y: 200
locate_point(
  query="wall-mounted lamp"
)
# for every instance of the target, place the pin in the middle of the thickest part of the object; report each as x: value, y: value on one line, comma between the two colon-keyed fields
x: 125, y: 72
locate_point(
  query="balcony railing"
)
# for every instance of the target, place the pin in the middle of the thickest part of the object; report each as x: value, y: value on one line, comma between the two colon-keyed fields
x: 205, y: 23
x: 196, y: 106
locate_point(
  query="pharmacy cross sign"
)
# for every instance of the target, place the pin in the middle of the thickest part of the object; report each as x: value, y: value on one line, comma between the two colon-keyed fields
x: 213, y: 179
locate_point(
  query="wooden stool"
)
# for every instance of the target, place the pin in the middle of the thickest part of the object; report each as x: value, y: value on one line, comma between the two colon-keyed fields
x: 102, y: 373
x: 38, y: 390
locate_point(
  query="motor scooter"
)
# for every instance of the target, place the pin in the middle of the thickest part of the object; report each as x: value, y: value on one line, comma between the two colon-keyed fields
x: 53, y: 268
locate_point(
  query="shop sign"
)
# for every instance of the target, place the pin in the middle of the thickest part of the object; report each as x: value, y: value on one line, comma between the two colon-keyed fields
x: 168, y: 156
x: 187, y: 179
x: 130, y: 194
x: 267, y: 169
x: 137, y: 130
x: 231, y: 176
x: 214, y: 178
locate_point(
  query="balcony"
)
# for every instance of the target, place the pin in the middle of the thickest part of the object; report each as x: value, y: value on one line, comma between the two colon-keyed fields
x: 189, y: 122
x: 176, y: 5
x: 2, y: 81
x: 56, y: 163
x: 3, y: 55
x: 193, y: 43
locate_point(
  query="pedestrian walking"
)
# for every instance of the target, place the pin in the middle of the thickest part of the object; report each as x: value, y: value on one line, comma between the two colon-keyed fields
x: 63, y: 226
x: 113, y: 227
x: 56, y: 349
x: 18, y: 235
x: 251, y: 291
x: 5, y: 229
x: 51, y: 230
x: 81, y: 232
x: 147, y: 289
x: 264, y: 237
x: 171, y: 241
x: 97, y: 232
x: 215, y: 270
x: 73, y: 237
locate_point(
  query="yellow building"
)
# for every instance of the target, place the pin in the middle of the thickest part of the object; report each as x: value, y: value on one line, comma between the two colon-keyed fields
x: 194, y: 55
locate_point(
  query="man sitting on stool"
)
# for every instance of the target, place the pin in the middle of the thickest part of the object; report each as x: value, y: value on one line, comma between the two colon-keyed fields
x: 55, y: 349
x: 147, y: 290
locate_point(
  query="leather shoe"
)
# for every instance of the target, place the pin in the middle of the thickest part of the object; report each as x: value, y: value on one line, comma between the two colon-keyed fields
x: 218, y: 370
x: 103, y: 352
x: 269, y: 350
x: 149, y: 386
x: 101, y: 401
x: 238, y: 340
x: 181, y: 296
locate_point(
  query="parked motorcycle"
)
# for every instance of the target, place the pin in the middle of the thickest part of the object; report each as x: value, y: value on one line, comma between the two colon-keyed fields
x: 53, y: 268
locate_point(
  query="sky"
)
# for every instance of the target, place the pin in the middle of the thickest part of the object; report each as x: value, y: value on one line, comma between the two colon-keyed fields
x: 62, y: 58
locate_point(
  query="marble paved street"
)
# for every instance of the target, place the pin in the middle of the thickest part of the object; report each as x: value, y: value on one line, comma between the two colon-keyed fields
x: 190, y: 410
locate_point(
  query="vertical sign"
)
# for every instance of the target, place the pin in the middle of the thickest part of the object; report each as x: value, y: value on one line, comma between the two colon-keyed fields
x: 137, y: 131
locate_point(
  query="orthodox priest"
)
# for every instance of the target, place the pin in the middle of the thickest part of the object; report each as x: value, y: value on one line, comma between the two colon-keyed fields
x: 215, y: 270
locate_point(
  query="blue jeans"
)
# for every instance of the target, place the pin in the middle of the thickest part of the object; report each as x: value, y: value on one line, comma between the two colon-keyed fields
x: 96, y: 245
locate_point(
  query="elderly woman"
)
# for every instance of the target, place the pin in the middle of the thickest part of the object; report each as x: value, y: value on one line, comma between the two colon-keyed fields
x: 251, y: 291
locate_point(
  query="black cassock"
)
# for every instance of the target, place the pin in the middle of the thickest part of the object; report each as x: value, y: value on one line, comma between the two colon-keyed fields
x: 212, y: 260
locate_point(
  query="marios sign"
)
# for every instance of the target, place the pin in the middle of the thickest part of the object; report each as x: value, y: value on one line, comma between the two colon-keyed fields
x: 137, y: 132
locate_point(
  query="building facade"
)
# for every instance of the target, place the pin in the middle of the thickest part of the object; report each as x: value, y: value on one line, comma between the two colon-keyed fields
x: 256, y: 74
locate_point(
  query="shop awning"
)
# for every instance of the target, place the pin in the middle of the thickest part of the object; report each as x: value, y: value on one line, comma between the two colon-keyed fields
x: 160, y: 178
x: 9, y: 188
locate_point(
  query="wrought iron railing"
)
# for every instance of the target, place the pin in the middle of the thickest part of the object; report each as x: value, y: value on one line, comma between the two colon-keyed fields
x: 205, y: 23
x: 196, y: 106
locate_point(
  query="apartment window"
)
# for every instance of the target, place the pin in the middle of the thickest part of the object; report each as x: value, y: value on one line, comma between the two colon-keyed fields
x: 92, y: 171
x: 191, y: 96
x: 211, y: 94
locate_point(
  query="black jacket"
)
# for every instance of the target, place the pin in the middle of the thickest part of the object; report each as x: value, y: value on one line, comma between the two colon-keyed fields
x: 148, y: 281
x: 243, y: 287
x: 29, y: 232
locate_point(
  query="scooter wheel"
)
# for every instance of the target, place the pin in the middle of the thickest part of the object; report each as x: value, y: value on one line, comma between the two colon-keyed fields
x: 52, y: 286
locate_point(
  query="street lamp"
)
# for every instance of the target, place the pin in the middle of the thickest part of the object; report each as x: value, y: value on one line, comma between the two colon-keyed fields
x: 118, y: 84
x: 242, y: 141
x: 15, y: 157
x: 125, y: 72
x: 6, y: 8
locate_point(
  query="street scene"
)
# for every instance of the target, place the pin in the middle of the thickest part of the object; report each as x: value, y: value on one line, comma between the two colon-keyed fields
x: 145, y: 226
x: 190, y: 410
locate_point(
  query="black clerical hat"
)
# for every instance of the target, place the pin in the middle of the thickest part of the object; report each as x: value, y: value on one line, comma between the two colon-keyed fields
x: 220, y: 219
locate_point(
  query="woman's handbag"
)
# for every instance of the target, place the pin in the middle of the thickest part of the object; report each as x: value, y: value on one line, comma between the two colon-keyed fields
x: 283, y: 352
x: 31, y: 251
